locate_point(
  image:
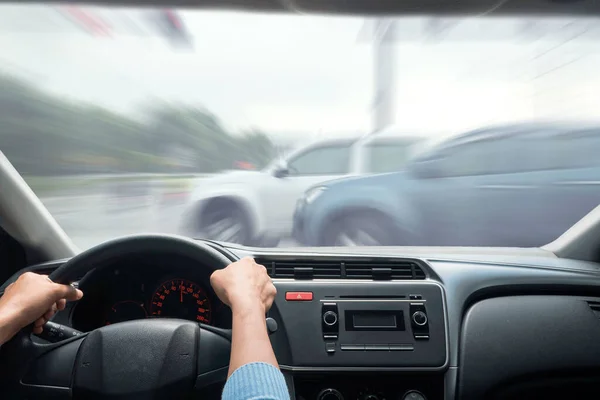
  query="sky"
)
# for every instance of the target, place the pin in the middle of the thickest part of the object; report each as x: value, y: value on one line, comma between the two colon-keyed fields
x: 300, y: 75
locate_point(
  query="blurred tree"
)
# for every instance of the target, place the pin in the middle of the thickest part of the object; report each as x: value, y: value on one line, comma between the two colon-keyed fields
x: 198, y: 130
x: 46, y: 135
x: 256, y: 147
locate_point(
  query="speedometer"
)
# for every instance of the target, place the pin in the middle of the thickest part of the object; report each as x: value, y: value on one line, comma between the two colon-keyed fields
x: 181, y: 298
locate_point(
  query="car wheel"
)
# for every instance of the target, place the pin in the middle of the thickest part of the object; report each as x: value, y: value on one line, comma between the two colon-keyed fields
x: 226, y: 222
x: 360, y: 230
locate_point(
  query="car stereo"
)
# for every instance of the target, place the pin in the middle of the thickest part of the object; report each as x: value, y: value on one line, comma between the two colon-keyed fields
x: 340, y: 325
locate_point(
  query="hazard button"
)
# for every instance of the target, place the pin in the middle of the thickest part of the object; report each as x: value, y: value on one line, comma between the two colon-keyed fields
x: 298, y: 296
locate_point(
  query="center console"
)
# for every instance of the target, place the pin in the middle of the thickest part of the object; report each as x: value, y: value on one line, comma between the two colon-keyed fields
x: 365, y: 340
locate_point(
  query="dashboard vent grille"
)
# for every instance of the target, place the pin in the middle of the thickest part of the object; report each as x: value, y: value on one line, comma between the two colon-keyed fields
x: 334, y: 269
x: 303, y: 269
x: 384, y: 270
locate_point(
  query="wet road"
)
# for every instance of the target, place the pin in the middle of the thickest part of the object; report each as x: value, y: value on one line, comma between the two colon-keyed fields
x: 94, y: 218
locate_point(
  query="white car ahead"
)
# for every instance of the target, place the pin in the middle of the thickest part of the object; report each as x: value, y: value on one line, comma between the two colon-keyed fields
x: 256, y: 207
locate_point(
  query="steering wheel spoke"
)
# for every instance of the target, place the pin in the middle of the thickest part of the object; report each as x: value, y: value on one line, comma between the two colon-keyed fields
x: 213, y: 364
x: 38, y: 370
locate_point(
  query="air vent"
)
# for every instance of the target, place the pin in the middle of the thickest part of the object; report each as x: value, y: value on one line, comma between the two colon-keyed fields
x: 303, y: 269
x: 383, y: 270
x: 595, y: 306
x: 353, y: 269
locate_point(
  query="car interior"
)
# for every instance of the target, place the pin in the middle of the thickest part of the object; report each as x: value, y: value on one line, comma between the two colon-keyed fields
x: 368, y: 323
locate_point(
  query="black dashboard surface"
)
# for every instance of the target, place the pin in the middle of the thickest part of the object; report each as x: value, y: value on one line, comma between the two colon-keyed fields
x: 542, y: 346
x: 520, y: 323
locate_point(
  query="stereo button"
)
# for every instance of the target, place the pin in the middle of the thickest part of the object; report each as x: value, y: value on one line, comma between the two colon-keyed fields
x: 377, y: 347
x: 352, y: 347
x: 401, y: 347
x: 330, y: 347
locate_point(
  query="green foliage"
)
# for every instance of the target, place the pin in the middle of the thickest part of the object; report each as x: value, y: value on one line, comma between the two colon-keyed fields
x: 46, y: 135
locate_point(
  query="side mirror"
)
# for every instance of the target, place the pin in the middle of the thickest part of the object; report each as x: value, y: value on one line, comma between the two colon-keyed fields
x: 281, y: 171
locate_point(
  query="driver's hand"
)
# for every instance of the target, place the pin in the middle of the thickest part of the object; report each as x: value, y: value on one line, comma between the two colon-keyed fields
x: 244, y: 285
x: 32, y: 298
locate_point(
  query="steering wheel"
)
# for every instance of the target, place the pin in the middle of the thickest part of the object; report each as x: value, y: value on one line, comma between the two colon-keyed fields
x: 140, y: 359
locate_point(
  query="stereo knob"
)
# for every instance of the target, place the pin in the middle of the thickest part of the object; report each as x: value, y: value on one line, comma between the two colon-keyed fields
x: 329, y: 394
x: 419, y: 318
x: 330, y: 318
x: 369, y: 396
x: 414, y: 395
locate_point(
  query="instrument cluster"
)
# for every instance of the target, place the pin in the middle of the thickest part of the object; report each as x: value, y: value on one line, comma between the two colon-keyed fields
x: 148, y: 290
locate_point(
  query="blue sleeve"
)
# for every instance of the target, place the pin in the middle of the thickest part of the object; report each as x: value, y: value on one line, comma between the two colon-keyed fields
x: 256, y: 381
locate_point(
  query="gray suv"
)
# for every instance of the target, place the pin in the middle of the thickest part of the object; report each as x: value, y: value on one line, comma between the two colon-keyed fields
x: 516, y: 185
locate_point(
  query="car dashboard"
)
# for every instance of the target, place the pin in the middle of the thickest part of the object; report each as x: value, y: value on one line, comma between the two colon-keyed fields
x: 389, y: 323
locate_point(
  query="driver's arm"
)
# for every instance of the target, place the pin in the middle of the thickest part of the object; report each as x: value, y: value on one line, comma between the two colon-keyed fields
x: 253, y: 370
x: 33, y: 299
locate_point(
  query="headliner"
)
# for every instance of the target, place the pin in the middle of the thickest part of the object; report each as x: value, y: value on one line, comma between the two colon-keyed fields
x: 376, y: 7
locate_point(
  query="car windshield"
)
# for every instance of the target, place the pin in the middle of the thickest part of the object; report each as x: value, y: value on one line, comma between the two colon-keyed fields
x: 268, y: 129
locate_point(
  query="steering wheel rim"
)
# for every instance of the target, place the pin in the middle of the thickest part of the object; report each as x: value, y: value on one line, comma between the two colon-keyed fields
x: 82, y: 359
x: 100, y: 256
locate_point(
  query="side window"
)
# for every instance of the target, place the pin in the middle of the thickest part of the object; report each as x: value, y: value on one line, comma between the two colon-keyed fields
x: 490, y: 157
x: 567, y: 151
x: 386, y: 157
x: 517, y: 154
x: 329, y: 160
x: 469, y: 159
